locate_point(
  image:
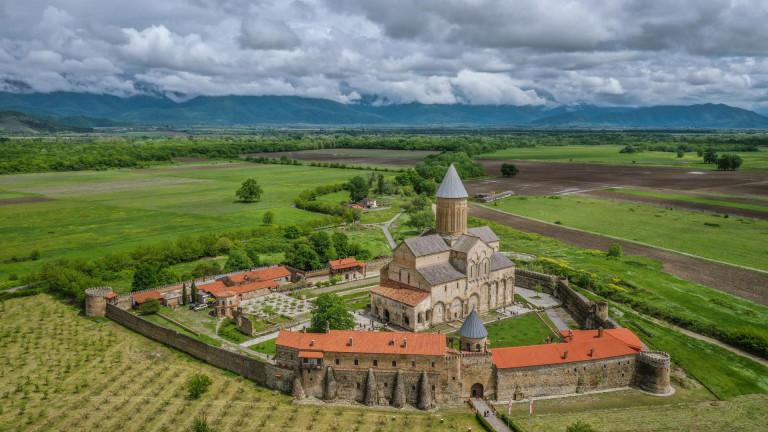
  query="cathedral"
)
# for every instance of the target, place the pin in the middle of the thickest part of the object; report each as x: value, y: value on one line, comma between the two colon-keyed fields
x: 447, y: 273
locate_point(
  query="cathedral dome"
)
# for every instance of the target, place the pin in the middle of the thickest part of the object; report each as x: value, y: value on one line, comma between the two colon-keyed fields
x: 451, y: 186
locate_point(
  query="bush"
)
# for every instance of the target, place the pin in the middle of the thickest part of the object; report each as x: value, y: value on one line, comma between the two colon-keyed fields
x: 509, y: 170
x: 149, y: 307
x: 197, y: 385
x: 200, y: 424
x: 615, y: 251
x: 729, y: 162
x: 580, y: 426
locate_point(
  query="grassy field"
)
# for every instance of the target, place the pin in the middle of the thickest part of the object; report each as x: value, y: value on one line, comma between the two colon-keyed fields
x: 527, y: 329
x: 62, y: 371
x: 735, y: 240
x: 718, y: 200
x: 652, y: 288
x: 92, y: 212
x: 609, y: 154
x: 385, y: 158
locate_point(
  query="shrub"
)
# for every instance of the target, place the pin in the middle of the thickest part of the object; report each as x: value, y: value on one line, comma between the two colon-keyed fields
x: 580, y: 426
x: 615, y: 251
x: 149, y: 307
x: 200, y: 424
x: 197, y: 385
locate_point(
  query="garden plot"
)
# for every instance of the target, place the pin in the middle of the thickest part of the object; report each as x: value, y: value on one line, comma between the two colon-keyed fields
x: 276, y: 304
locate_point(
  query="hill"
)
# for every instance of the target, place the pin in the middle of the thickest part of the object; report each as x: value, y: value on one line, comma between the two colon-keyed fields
x: 94, y: 110
x: 14, y: 122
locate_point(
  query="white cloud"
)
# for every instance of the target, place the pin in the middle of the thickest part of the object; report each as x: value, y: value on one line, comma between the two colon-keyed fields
x: 263, y: 34
x: 493, y: 89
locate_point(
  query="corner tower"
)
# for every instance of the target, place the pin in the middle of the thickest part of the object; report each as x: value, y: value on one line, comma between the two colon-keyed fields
x: 451, y: 205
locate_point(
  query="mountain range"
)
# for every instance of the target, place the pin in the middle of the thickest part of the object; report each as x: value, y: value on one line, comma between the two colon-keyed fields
x: 99, y: 110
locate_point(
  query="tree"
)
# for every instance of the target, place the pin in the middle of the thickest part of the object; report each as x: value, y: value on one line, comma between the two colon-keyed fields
x: 680, y: 153
x: 302, y: 256
x: 615, y: 251
x: 419, y: 203
x: 292, y: 232
x: 509, y: 170
x: 331, y: 313
x: 341, y: 243
x: 358, y: 188
x: 323, y: 245
x: 580, y: 426
x: 709, y: 156
x: 149, y: 307
x: 145, y: 276
x: 193, y: 292
x: 422, y: 220
x: 381, y: 186
x: 729, y: 162
x: 184, y: 293
x: 238, y: 260
x: 249, y: 191
x: 197, y: 385
x: 268, y: 218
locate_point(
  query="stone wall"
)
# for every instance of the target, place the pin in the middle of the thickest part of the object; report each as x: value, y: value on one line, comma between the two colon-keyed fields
x: 566, y: 378
x: 531, y: 280
x: 248, y: 367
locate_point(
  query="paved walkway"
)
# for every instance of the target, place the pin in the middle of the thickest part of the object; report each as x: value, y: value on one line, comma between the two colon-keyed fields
x: 542, y: 300
x: 481, y: 406
x: 556, y: 319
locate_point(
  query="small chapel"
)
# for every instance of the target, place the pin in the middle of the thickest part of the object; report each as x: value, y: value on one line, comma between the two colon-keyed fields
x: 446, y: 273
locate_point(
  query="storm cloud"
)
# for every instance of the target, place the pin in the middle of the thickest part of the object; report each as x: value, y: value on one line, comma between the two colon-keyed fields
x: 526, y: 52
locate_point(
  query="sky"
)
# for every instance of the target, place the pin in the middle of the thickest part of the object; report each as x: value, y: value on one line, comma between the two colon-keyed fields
x: 521, y: 52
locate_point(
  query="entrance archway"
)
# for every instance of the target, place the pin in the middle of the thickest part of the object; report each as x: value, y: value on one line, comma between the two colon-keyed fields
x: 386, y: 315
x: 477, y: 390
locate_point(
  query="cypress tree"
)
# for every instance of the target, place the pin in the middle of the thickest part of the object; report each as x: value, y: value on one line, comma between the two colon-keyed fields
x: 194, y: 292
x: 184, y: 293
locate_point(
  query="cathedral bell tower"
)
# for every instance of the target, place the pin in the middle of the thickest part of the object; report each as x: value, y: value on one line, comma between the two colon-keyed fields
x: 451, y: 205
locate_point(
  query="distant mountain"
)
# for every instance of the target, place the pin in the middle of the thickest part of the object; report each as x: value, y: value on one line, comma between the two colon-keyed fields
x: 91, y: 110
x: 14, y: 122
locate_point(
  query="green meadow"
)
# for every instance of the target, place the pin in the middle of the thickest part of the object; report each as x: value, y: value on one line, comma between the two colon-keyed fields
x: 88, y: 213
x: 527, y: 329
x: 609, y: 154
x: 735, y: 240
x: 755, y: 203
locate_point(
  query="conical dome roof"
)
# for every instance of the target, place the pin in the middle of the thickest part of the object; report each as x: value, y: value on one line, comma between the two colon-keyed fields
x: 473, y: 327
x: 451, y: 186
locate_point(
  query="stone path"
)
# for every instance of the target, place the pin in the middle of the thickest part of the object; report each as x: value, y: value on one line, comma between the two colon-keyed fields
x: 542, y: 300
x: 481, y: 406
x: 556, y: 320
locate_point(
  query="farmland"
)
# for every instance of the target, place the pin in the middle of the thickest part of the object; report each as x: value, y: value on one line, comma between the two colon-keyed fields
x: 383, y: 158
x: 609, y: 155
x: 64, y: 372
x: 85, y: 214
x: 734, y: 240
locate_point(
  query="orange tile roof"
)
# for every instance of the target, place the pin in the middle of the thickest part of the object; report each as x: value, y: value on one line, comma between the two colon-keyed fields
x: 141, y: 297
x: 219, y: 289
x: 310, y: 354
x: 613, y: 343
x: 410, y: 297
x: 268, y: 273
x: 344, y: 263
x: 432, y: 344
x: 111, y: 295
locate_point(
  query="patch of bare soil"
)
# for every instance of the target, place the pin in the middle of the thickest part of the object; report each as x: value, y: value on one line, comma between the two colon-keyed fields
x: 550, y: 178
x: 708, y: 208
x: 23, y: 200
x: 747, y: 284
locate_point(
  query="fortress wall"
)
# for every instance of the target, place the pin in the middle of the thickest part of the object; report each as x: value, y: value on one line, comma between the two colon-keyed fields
x: 531, y: 280
x: 350, y: 384
x: 566, y: 378
x: 248, y: 367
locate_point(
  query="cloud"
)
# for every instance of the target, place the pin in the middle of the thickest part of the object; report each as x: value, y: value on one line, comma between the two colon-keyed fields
x: 625, y: 52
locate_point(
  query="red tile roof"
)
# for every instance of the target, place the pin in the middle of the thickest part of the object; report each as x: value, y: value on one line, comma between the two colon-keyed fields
x: 268, y: 273
x: 345, y: 263
x: 431, y: 344
x: 111, y: 295
x: 410, y: 297
x: 310, y: 354
x: 613, y: 343
x: 219, y: 289
x: 141, y: 297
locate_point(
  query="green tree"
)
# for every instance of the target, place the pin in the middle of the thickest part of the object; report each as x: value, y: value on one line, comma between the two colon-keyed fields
x: 303, y: 256
x: 381, y: 186
x: 615, y: 251
x: 580, y: 426
x: 238, y: 260
x: 330, y: 312
x: 341, y: 243
x: 249, y: 191
x: 197, y: 385
x: 268, y: 218
x: 184, y: 293
x: 193, y: 292
x: 145, y: 276
x: 709, y: 155
x: 729, y: 162
x: 358, y: 188
x: 417, y: 204
x: 422, y: 220
x: 323, y: 245
x: 509, y: 170
x: 149, y: 307
x: 292, y: 232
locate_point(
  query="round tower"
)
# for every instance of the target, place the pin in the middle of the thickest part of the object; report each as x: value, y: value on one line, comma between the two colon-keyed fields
x: 653, y: 372
x: 473, y: 335
x: 451, y: 205
x: 96, y: 301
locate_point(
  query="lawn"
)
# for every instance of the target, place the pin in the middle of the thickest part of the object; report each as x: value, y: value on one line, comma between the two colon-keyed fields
x: 718, y: 200
x: 735, y: 240
x: 267, y: 347
x: 94, y: 212
x: 609, y: 154
x: 527, y: 329
x: 371, y: 238
x: 62, y: 371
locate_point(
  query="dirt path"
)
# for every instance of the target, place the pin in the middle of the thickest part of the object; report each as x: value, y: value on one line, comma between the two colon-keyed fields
x: 744, y: 283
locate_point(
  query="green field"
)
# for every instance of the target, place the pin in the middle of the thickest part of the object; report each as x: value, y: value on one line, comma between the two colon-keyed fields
x: 64, y: 372
x: 735, y: 240
x: 94, y: 212
x: 527, y: 329
x: 718, y: 200
x: 609, y: 154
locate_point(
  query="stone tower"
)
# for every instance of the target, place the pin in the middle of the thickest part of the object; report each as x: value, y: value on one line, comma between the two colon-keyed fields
x: 473, y: 335
x: 451, y: 205
x: 96, y: 301
x: 653, y: 370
